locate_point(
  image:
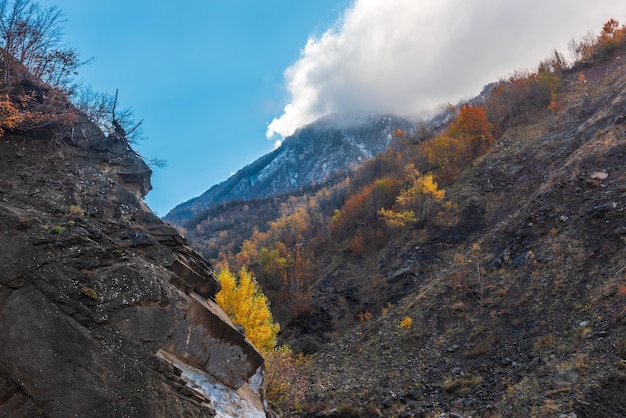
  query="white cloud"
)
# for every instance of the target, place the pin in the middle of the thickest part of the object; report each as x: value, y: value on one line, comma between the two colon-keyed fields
x: 406, y: 57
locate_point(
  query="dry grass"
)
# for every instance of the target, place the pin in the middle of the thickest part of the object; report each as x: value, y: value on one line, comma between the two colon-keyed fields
x: 550, y: 407
x: 462, y: 385
x: 482, y: 347
x: 583, y: 333
x: 581, y: 363
x: 543, y: 342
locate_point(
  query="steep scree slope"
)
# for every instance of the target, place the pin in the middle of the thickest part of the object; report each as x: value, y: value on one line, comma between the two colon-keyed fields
x: 525, y: 313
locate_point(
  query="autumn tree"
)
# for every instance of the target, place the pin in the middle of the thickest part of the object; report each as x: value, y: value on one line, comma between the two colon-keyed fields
x: 292, y: 225
x: 422, y: 133
x: 31, y: 52
x: 357, y: 243
x: 524, y: 91
x: 444, y: 155
x: 9, y: 114
x: 611, y: 36
x: 469, y: 135
x: 274, y: 260
x: 399, y: 133
x: 582, y: 49
x: 25, y: 109
x: 300, y: 274
x: 245, y: 304
x: 472, y: 127
x: 248, y: 252
x: 361, y: 208
x: 385, y: 164
x: 398, y: 218
x: 415, y: 201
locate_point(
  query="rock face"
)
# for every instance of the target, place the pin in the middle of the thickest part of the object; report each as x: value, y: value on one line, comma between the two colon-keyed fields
x: 102, y: 305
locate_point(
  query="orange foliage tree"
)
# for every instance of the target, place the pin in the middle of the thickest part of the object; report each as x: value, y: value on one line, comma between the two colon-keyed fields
x: 473, y: 129
x: 361, y: 208
x: 24, y: 112
x: 610, y: 38
x: 10, y: 116
x: 469, y: 135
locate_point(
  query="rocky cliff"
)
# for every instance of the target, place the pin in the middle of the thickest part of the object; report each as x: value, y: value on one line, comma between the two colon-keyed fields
x: 104, y: 309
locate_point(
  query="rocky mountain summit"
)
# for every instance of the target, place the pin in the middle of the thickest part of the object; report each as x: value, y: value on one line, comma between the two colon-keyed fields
x: 105, y: 311
x: 309, y: 157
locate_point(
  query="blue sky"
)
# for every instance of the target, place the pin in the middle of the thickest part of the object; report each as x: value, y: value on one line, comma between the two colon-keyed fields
x: 206, y: 78
x: 219, y: 82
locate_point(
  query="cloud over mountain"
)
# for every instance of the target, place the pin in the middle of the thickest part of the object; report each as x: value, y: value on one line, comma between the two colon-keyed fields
x: 406, y: 57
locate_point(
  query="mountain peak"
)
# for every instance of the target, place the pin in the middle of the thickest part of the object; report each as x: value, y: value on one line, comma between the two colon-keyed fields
x: 311, y: 156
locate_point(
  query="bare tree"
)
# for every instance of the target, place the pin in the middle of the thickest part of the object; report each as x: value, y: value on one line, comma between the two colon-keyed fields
x: 32, y: 35
x: 96, y: 105
x: 124, y: 124
x: 101, y: 108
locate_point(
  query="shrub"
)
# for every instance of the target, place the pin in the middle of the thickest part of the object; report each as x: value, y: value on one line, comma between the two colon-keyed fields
x: 89, y: 292
x: 24, y: 223
x: 76, y: 210
x: 357, y: 243
x: 9, y: 114
x: 286, y: 379
x: 364, y: 317
x: 543, y: 342
x: 461, y: 385
x: 406, y: 323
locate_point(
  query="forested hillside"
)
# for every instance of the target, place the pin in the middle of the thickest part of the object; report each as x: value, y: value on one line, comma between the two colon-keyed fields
x: 475, y: 267
x: 286, y: 239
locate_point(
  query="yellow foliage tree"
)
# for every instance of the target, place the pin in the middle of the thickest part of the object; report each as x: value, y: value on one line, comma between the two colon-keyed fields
x: 398, y: 219
x: 274, y: 262
x: 421, y: 194
x: 245, y: 304
x: 406, y: 323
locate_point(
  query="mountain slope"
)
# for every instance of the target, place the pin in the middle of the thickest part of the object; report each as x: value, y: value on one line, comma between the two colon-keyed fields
x: 521, y: 315
x: 508, y: 300
x: 311, y: 156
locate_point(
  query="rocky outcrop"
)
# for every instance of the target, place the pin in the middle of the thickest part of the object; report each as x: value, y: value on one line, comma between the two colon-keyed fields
x: 104, y: 308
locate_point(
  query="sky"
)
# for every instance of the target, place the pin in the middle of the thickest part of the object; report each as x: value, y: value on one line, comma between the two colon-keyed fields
x: 219, y: 83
